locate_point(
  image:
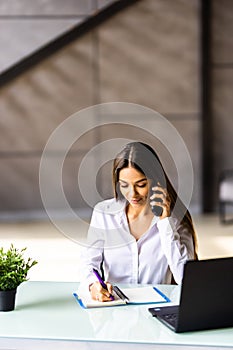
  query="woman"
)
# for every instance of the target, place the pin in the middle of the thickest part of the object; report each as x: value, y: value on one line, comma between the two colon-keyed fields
x: 127, y: 242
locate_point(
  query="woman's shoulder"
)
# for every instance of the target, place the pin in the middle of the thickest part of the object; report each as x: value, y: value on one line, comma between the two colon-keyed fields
x: 110, y: 206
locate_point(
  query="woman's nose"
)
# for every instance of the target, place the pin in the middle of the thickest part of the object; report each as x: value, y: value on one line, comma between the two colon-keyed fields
x: 132, y: 190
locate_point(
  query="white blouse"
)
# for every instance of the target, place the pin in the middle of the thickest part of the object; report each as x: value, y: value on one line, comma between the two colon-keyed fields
x: 159, y: 253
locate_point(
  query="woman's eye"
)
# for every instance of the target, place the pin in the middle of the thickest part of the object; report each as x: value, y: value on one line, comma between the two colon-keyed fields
x: 143, y: 185
x: 123, y: 186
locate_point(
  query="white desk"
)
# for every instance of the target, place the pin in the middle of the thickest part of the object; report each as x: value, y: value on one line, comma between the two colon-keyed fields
x: 47, y: 316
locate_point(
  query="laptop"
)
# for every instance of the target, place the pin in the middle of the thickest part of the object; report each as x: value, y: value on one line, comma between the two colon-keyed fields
x: 206, y: 300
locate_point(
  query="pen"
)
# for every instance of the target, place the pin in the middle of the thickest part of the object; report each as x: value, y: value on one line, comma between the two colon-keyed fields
x: 103, y: 284
x: 120, y: 294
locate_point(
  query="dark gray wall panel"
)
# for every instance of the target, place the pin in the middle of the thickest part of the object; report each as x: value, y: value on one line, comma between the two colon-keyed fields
x: 150, y: 55
x: 37, y: 102
x: 222, y: 29
x: 147, y: 55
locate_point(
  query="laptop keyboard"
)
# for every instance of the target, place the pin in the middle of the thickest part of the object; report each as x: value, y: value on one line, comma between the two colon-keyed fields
x: 167, y: 315
x: 170, y: 318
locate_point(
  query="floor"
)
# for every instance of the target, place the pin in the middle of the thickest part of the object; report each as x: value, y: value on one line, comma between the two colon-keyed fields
x: 58, y: 256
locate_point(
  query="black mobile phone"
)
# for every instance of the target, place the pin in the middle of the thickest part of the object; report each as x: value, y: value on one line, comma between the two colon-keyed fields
x: 156, y: 209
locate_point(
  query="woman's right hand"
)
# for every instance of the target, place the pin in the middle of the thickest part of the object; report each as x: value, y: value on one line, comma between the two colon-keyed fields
x: 99, y: 293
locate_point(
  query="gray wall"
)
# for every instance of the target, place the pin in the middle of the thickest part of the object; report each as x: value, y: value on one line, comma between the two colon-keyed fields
x: 149, y: 55
x: 222, y: 87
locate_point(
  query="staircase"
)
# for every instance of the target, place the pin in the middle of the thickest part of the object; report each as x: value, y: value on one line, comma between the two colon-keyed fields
x: 49, y: 73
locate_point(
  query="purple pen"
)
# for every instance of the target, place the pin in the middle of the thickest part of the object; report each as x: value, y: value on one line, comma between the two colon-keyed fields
x: 103, y: 284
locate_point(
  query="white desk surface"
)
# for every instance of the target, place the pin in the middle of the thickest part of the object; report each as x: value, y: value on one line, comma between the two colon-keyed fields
x: 47, y: 314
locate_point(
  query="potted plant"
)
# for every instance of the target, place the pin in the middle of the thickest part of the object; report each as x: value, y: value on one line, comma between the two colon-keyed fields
x: 13, y: 271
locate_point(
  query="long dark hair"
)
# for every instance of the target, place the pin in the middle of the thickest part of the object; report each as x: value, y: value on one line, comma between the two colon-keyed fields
x: 142, y: 157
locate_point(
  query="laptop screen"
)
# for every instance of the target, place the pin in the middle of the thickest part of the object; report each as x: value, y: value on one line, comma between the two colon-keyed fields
x: 207, y: 294
x: 206, y: 300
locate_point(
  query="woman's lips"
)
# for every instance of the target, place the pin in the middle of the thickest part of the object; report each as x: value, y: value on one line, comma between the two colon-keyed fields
x: 135, y: 201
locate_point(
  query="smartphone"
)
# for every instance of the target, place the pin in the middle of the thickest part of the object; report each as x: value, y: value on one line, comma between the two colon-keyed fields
x: 156, y: 210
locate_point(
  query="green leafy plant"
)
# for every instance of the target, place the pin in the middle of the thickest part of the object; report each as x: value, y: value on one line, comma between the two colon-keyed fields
x: 13, y: 267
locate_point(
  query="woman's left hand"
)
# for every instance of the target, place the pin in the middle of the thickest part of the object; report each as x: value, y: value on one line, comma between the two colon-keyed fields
x: 161, y: 198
